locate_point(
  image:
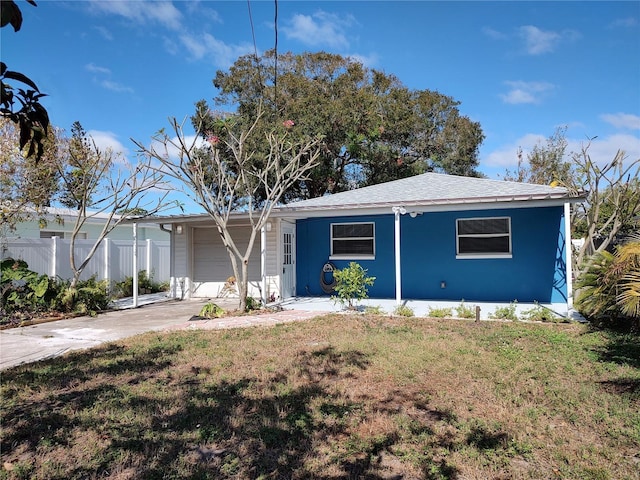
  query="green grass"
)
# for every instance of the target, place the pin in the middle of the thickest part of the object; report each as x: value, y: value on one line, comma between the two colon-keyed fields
x: 337, y: 397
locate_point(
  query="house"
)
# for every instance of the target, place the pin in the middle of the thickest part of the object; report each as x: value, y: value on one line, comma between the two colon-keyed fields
x: 59, y: 222
x: 431, y: 237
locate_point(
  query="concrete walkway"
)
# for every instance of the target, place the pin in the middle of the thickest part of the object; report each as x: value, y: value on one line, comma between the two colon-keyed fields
x: 51, y: 339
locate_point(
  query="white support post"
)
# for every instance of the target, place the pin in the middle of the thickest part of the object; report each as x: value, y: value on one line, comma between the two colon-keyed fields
x: 397, y: 211
x: 53, y: 268
x: 569, y: 254
x: 263, y: 263
x: 135, y: 265
x: 107, y: 261
x: 149, y: 257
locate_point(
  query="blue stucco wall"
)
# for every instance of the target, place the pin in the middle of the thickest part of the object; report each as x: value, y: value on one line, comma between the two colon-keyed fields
x: 536, y: 271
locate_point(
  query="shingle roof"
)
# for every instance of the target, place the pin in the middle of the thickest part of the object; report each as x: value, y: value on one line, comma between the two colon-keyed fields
x: 430, y: 189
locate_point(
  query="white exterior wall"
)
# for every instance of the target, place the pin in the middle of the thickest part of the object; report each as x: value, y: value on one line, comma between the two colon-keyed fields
x: 273, y: 263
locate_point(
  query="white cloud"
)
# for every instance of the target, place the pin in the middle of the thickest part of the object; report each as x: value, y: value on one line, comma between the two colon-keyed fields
x: 507, y: 155
x: 622, y: 120
x: 494, y: 34
x: 106, y: 83
x: 104, y: 32
x: 525, y: 92
x: 163, y: 13
x: 116, y: 87
x: 366, y: 60
x: 105, y: 140
x: 603, y: 150
x: 321, y: 28
x: 207, y: 46
x: 538, y: 41
x: 93, y: 68
x: 628, y: 22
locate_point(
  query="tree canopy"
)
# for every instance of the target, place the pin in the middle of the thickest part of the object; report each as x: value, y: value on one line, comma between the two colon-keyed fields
x: 373, y: 128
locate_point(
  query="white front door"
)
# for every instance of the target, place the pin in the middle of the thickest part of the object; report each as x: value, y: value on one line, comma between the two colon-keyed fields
x: 288, y: 261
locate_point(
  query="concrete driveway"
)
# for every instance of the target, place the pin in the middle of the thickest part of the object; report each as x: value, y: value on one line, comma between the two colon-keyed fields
x: 51, y: 339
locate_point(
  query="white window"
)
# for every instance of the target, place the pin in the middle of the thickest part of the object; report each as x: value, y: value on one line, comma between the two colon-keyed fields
x: 483, y: 237
x: 50, y: 234
x: 353, y: 241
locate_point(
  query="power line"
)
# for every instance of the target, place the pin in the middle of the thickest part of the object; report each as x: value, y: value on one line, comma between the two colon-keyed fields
x: 275, y: 73
x: 255, y: 47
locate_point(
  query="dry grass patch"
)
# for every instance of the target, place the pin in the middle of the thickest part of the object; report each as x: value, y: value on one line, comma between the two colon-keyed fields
x: 335, y: 397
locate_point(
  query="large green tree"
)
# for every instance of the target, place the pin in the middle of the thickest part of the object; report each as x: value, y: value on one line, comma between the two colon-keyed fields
x: 27, y: 185
x: 373, y: 127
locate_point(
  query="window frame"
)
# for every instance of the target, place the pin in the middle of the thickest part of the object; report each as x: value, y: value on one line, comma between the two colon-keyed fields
x: 476, y: 255
x: 353, y: 256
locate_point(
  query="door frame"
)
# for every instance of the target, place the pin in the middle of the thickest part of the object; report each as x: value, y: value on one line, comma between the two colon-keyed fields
x: 286, y: 227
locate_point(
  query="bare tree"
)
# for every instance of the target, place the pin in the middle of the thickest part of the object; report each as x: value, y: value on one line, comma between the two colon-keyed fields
x: 223, y: 176
x: 101, y: 183
x: 612, y: 204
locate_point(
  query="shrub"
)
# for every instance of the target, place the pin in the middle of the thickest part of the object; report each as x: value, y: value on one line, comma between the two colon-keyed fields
x: 23, y: 291
x: 211, y: 310
x: 540, y: 314
x: 351, y: 284
x: 403, y: 311
x: 146, y: 284
x: 608, y: 291
x: 506, y: 313
x: 374, y: 310
x: 439, y: 312
x: 252, y: 304
x: 26, y: 293
x: 462, y: 311
x: 88, y: 298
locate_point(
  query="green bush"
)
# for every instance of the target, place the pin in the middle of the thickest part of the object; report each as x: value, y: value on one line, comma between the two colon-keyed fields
x: 608, y: 290
x: 506, y: 313
x: 403, y: 311
x: 374, y: 310
x: 211, y: 310
x: 146, y: 284
x: 351, y: 284
x: 88, y: 297
x: 252, y: 304
x: 462, y: 311
x: 540, y: 314
x: 439, y: 312
x: 26, y: 294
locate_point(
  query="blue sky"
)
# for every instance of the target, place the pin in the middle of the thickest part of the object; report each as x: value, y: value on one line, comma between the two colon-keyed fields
x: 521, y: 69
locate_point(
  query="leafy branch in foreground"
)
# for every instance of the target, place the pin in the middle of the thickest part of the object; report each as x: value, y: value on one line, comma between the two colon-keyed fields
x: 22, y: 105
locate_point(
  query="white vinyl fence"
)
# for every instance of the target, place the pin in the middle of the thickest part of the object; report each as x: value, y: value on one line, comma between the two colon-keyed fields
x: 112, y: 261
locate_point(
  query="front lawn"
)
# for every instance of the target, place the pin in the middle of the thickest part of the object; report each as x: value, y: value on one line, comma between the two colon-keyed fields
x: 336, y: 397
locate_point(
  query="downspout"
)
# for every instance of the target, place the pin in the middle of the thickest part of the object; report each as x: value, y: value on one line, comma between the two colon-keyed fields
x: 172, y: 258
x: 397, y: 211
